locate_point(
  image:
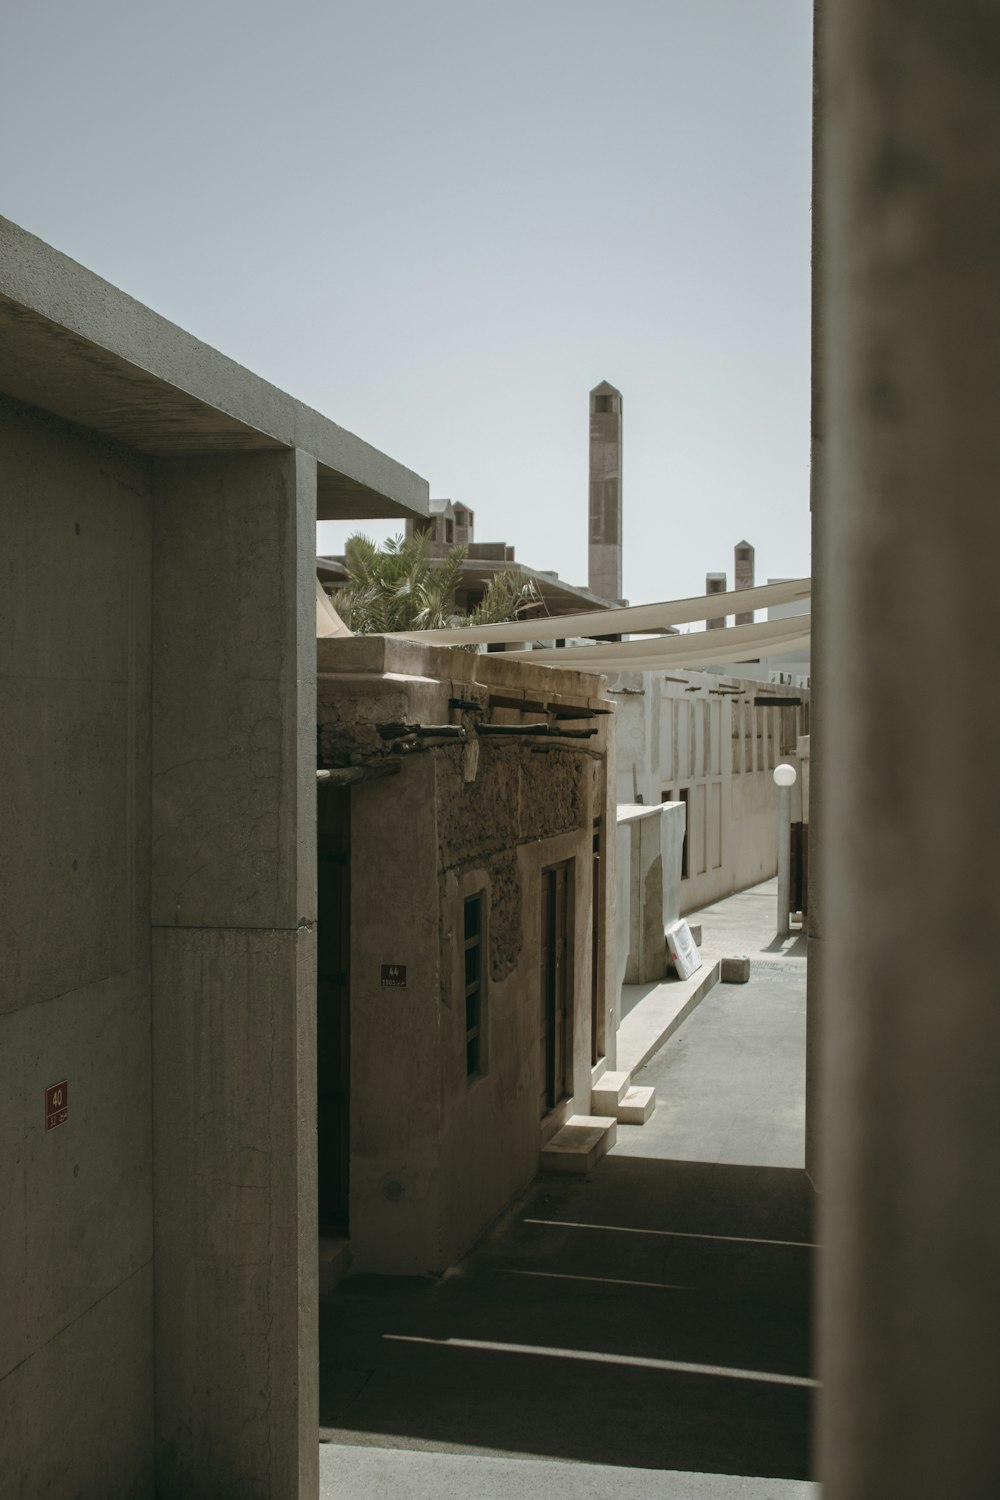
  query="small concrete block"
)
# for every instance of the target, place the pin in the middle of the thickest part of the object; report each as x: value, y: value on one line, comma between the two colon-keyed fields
x: 637, y: 1106
x: 695, y: 930
x: 608, y: 1093
x: 735, y: 970
x: 580, y: 1144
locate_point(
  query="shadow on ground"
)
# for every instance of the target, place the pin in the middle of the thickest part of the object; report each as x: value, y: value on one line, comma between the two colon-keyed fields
x: 655, y: 1315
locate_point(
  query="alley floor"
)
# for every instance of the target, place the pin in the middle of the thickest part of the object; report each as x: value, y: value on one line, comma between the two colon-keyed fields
x: 651, y: 1317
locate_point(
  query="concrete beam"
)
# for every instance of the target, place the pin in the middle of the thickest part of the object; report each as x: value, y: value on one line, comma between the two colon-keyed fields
x: 72, y: 344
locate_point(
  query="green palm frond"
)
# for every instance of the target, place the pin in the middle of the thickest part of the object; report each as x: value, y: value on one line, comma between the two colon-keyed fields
x: 398, y: 586
x: 510, y: 595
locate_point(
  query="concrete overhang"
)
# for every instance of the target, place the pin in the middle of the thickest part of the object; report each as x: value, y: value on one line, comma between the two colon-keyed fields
x: 478, y: 572
x: 76, y: 346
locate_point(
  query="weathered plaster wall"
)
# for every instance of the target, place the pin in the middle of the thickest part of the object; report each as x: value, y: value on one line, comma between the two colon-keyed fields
x: 76, y: 1229
x: 435, y: 1155
x: 491, y: 1130
x: 395, y: 1033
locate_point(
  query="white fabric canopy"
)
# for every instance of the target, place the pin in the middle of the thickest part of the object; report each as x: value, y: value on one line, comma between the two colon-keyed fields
x: 700, y: 648
x: 328, y: 622
x: 631, y: 620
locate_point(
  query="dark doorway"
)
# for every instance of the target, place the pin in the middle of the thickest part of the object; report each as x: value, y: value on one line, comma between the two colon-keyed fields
x: 799, y: 869
x: 684, y: 795
x: 333, y: 1011
x: 556, y: 981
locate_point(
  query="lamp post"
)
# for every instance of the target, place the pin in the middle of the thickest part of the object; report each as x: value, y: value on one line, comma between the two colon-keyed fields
x: 784, y: 779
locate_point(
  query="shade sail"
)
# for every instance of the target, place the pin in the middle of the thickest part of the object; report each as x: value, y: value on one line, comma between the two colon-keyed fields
x: 738, y: 643
x: 328, y: 622
x: 689, y: 655
x: 631, y: 620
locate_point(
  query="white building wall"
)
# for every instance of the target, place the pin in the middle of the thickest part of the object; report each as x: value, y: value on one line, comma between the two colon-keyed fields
x: 699, y: 738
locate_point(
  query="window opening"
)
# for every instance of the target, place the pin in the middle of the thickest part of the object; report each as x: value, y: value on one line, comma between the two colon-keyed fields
x: 685, y: 796
x: 474, y: 985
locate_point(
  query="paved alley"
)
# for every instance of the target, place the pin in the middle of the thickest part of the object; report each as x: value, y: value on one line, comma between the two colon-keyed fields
x: 654, y: 1316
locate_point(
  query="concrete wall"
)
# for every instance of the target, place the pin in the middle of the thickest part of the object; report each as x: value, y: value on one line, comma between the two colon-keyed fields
x: 157, y: 785
x: 649, y: 843
x: 700, y: 735
x: 435, y: 1155
x: 121, y: 570
x: 76, y: 1230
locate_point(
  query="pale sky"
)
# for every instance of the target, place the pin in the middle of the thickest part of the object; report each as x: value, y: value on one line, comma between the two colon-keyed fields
x: 441, y: 222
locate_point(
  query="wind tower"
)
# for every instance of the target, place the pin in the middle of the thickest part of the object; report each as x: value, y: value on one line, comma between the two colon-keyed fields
x: 744, y: 558
x: 604, y: 576
x: 715, y: 583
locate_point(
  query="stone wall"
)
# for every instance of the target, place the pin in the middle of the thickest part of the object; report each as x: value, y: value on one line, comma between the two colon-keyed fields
x: 435, y: 1154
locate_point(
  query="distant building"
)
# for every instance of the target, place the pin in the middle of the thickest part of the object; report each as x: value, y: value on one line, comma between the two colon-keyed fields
x: 605, y: 493
x: 715, y: 583
x: 453, y: 525
x: 743, y: 576
x: 711, y: 742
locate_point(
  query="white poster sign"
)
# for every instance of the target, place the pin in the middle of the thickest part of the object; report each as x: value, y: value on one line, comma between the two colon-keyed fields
x: 683, y: 950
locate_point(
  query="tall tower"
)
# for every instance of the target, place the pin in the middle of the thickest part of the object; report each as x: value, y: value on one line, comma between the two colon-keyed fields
x: 743, y: 576
x: 715, y: 583
x: 604, y: 576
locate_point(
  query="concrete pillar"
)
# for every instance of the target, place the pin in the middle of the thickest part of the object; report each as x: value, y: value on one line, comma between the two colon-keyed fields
x: 640, y: 864
x: 604, y: 576
x: 815, y: 917
x: 233, y: 911
x: 743, y: 576
x: 715, y: 583
x: 910, y: 1293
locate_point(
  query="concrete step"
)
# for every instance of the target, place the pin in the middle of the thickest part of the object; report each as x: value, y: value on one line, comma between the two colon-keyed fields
x: 608, y: 1093
x: 369, y: 1471
x: 334, y: 1262
x: 637, y: 1106
x: 581, y: 1143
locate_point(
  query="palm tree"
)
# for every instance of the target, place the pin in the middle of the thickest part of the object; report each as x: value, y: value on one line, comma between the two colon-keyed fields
x: 399, y: 587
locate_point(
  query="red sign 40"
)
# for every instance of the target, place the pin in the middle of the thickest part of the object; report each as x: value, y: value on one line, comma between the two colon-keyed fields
x: 56, y: 1105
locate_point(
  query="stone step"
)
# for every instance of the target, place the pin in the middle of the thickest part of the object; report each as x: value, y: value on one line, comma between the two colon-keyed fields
x: 580, y: 1144
x: 608, y: 1092
x: 334, y: 1262
x: 637, y: 1106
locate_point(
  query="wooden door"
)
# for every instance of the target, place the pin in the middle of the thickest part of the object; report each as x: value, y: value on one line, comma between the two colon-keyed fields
x: 556, y: 977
